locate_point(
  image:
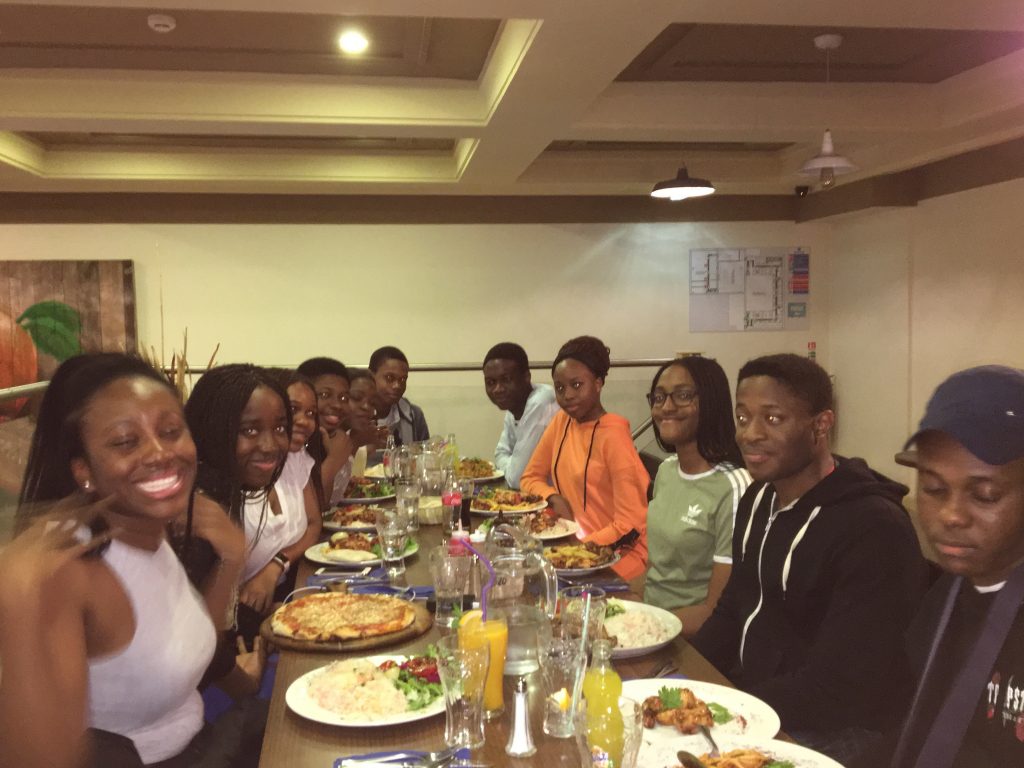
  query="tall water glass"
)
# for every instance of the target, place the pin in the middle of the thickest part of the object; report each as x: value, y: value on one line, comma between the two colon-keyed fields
x: 573, y: 602
x: 463, y: 672
x: 450, y: 574
x: 561, y: 667
x: 392, y: 536
x: 407, y: 494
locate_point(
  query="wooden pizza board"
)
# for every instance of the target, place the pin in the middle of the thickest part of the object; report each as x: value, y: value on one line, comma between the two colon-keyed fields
x: 422, y: 622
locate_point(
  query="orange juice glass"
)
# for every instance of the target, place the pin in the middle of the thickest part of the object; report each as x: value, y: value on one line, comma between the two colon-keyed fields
x: 493, y: 633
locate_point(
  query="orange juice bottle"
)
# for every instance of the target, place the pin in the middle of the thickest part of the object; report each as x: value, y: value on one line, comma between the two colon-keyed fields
x: 602, y: 687
x: 473, y: 632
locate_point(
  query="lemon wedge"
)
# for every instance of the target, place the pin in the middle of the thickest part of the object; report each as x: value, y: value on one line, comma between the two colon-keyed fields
x: 561, y: 698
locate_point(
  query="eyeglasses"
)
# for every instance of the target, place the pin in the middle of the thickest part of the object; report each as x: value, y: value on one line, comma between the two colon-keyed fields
x: 681, y: 397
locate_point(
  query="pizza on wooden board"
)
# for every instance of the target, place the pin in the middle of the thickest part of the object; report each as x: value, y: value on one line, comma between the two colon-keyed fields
x: 332, y: 616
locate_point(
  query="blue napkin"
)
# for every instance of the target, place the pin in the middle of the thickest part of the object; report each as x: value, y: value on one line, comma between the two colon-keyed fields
x: 318, y: 580
x: 462, y: 754
x: 416, y: 593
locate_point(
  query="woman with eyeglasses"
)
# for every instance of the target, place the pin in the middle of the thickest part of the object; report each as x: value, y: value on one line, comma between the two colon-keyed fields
x: 690, y: 519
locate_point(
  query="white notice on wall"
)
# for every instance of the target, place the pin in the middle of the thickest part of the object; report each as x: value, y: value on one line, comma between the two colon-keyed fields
x: 749, y: 289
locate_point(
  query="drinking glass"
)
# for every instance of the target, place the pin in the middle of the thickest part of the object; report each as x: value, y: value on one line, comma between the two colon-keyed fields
x: 407, y: 494
x: 392, y: 535
x: 463, y: 672
x: 561, y: 667
x: 573, y: 602
x: 494, y: 634
x: 608, y: 735
x: 451, y: 580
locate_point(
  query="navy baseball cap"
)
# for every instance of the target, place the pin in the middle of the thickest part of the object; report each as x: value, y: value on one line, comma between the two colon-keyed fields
x: 983, y: 409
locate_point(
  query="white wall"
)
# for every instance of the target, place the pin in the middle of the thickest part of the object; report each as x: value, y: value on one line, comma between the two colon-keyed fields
x: 915, y: 295
x: 444, y: 293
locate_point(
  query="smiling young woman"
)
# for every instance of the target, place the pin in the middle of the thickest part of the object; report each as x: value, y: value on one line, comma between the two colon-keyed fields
x: 585, y: 464
x: 696, y: 492
x: 241, y: 421
x: 111, y: 639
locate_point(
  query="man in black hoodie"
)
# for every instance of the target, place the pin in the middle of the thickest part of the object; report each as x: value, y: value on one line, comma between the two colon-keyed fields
x: 826, y: 573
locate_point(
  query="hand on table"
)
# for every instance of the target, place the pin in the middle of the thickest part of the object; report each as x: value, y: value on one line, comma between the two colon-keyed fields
x: 560, y: 506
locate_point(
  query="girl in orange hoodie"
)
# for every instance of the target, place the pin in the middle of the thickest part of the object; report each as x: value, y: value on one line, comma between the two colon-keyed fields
x: 585, y: 464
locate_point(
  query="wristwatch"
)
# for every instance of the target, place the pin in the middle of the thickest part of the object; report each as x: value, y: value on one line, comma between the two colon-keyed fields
x: 282, y: 559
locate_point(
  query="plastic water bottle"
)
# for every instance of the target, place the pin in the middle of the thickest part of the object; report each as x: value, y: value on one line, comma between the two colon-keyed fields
x: 451, y: 503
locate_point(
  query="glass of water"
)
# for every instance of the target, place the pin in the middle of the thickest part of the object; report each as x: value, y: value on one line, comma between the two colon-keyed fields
x: 392, y: 536
x: 450, y: 574
x: 561, y: 665
x: 407, y: 494
x: 463, y: 673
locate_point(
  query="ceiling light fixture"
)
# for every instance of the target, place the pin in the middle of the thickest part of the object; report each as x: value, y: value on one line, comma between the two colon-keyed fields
x: 682, y: 187
x: 826, y: 165
x: 353, y: 41
x: 161, y: 23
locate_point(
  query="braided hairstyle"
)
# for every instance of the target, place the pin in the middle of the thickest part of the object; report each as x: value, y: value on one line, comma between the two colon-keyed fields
x: 716, y: 430
x: 214, y: 413
x: 57, y: 438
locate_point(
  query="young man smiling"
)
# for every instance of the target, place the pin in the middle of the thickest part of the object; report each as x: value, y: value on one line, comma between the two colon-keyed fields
x: 968, y: 639
x: 528, y: 407
x: 826, y: 569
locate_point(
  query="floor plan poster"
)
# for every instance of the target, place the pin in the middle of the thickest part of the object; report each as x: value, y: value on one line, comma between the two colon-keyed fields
x: 750, y: 289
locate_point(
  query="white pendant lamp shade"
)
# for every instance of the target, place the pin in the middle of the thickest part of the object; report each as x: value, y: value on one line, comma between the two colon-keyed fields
x: 682, y: 187
x: 826, y: 165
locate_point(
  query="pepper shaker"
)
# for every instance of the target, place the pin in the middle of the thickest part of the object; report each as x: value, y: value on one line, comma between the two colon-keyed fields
x: 520, y: 742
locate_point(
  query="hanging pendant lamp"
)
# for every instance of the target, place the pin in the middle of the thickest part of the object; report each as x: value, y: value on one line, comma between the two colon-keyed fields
x: 826, y: 165
x: 682, y: 187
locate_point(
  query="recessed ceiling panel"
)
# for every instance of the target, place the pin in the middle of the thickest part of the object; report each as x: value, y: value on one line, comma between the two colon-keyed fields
x: 48, y: 37
x: 151, y: 142
x: 746, y: 53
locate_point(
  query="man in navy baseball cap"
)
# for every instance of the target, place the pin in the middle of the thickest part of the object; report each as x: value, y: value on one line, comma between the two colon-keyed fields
x: 968, y: 639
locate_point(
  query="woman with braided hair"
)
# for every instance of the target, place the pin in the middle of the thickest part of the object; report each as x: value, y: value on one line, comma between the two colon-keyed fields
x: 585, y: 464
x: 241, y: 423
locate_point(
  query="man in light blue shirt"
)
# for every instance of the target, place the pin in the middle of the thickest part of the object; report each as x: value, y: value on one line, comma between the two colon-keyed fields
x: 528, y: 407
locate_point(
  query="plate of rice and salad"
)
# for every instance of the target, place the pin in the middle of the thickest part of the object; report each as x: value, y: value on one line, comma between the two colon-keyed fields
x: 369, y: 692
x: 638, y: 628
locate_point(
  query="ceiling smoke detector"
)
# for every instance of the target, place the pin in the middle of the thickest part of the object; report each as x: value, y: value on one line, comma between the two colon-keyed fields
x: 161, y: 23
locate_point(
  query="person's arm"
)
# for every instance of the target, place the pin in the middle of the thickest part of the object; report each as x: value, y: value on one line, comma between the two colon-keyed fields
x: 535, y: 478
x: 314, y: 525
x: 211, y: 522
x: 694, y: 616
x: 627, y: 480
x: 420, y: 431
x: 339, y: 450
x: 531, y: 428
x: 503, y: 451
x: 44, y: 682
x: 857, y: 651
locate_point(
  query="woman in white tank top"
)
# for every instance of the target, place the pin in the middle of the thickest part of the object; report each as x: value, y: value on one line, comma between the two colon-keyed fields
x: 113, y: 639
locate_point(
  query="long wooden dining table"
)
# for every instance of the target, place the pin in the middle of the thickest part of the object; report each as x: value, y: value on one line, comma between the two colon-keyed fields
x: 292, y: 741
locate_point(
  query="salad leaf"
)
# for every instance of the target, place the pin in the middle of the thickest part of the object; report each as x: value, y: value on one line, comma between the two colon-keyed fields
x: 719, y: 714
x: 780, y: 764
x: 671, y: 698
x: 615, y: 607
x: 418, y: 692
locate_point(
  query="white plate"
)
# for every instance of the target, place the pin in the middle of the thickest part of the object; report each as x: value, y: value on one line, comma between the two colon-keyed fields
x: 498, y: 475
x: 316, y: 554
x: 494, y: 513
x: 298, y: 701
x: 663, y: 755
x: 588, y: 571
x: 367, y: 499
x: 667, y: 619
x: 660, y: 743
x: 564, y: 529
x: 332, y: 526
